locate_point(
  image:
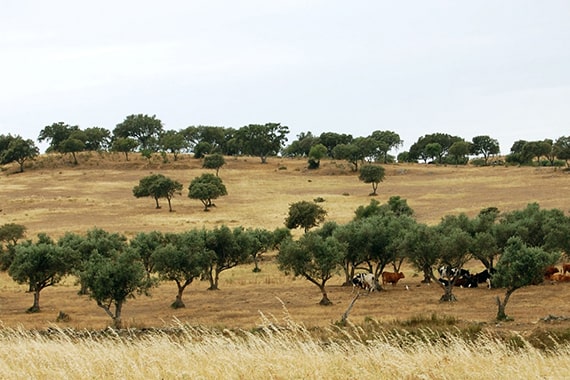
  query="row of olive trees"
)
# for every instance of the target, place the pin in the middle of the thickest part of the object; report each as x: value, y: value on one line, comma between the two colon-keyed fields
x: 518, y: 245
x: 111, y: 269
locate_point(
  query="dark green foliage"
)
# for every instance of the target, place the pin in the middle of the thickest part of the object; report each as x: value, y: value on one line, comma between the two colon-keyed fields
x: 316, y: 153
x: 182, y: 259
x: 305, y: 214
x: 206, y: 188
x: 230, y: 248
x: 520, y: 266
x: 173, y: 142
x: 111, y: 281
x: 17, y: 149
x: 214, y: 161
x: 40, y: 265
x: 143, y: 128
x: 485, y: 146
x: 124, y: 145
x: 262, y: 140
x: 157, y: 186
x: 145, y: 244
x: 372, y: 174
x: 56, y: 134
x: 314, y: 258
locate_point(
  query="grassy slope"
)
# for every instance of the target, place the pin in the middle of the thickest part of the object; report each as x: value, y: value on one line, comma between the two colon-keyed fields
x: 54, y: 197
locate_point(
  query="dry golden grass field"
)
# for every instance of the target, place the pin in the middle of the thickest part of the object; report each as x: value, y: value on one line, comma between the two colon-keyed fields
x: 53, y: 196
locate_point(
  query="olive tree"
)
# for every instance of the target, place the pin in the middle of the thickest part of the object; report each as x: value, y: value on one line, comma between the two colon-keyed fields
x: 229, y: 247
x: 182, y: 259
x: 214, y: 161
x: 40, y: 264
x: 17, y: 149
x: 520, y: 266
x: 206, y: 188
x: 304, y: 214
x: 313, y: 257
x: 372, y: 174
x: 158, y: 186
x: 111, y: 281
x: 124, y: 145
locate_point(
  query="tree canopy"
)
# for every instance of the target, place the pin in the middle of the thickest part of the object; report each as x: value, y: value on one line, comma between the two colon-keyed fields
x: 158, y: 186
x: 206, y: 188
x: 304, y: 214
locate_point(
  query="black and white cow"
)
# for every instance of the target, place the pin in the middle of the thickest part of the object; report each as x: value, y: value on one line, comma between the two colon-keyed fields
x: 461, y: 276
x: 485, y: 276
x: 365, y: 281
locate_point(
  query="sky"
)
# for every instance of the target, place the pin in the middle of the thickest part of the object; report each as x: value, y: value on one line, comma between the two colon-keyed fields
x: 415, y: 67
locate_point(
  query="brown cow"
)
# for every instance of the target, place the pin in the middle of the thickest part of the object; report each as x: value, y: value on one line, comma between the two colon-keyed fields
x: 559, y: 277
x: 549, y: 271
x: 391, y: 277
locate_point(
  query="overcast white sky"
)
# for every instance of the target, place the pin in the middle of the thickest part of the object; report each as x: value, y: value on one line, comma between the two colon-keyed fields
x: 467, y: 68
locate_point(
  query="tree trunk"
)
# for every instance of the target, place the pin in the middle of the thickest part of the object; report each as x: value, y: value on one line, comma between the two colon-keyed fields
x: 344, y: 317
x: 36, y: 306
x: 325, y: 300
x: 178, y: 303
x: 117, y: 323
x: 256, y: 265
x: 427, y: 275
x: 374, y: 188
x: 156, y: 199
x: 169, y: 205
x: 448, y: 296
x: 214, y: 280
x: 501, y: 315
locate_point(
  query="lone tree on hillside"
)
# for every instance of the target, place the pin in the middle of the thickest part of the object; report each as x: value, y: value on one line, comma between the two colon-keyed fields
x: 520, y: 266
x: 214, y: 161
x: 316, y: 153
x: 17, y: 149
x: 157, y: 186
x: 313, y: 257
x: 40, y: 265
x: 112, y: 280
x: 206, y: 188
x: 373, y: 174
x: 304, y: 214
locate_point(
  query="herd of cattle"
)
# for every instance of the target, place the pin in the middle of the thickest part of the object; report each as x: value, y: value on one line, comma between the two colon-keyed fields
x: 553, y: 274
x: 461, y: 277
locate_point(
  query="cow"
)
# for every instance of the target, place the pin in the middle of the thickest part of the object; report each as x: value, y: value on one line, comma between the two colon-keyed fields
x: 466, y: 281
x: 485, y: 276
x: 365, y: 281
x: 446, y: 271
x: 560, y: 277
x: 565, y: 268
x: 391, y: 277
x: 549, y: 271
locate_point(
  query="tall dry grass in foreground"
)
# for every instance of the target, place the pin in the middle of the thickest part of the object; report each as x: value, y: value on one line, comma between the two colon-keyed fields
x: 272, y: 352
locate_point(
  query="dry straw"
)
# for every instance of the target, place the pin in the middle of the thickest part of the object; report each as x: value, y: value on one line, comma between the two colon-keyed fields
x: 273, y: 351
